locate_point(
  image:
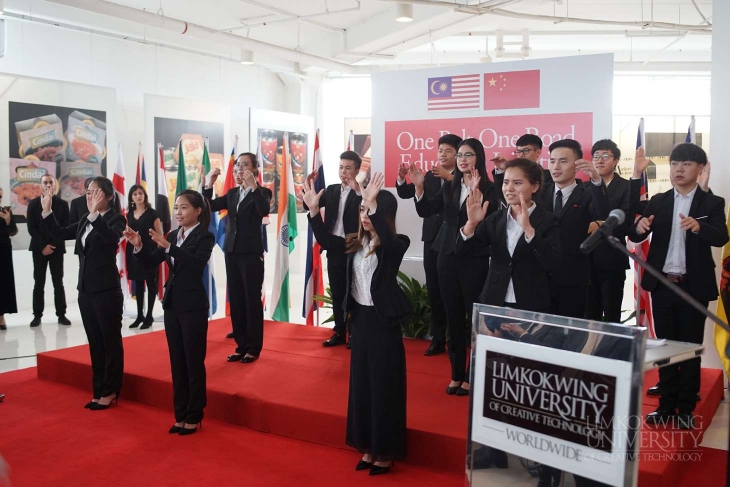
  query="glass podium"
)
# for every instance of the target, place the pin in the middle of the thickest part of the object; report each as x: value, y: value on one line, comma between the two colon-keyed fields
x: 557, y: 400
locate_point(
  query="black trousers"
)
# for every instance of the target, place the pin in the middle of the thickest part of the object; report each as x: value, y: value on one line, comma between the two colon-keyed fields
x: 376, y: 407
x: 337, y: 273
x: 187, y: 335
x: 438, y: 314
x: 245, y: 273
x: 461, y: 279
x: 151, y: 289
x: 101, y: 314
x: 676, y: 320
x: 40, y: 264
x: 568, y: 301
x: 605, y: 295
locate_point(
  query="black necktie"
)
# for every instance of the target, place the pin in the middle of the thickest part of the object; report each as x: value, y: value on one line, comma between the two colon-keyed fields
x: 558, y: 202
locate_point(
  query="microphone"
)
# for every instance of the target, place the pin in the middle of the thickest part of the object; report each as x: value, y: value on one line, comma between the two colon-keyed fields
x: 615, y: 218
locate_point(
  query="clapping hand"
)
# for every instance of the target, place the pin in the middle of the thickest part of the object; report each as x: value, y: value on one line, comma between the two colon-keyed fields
x: 441, y: 173
x: 417, y: 175
x: 310, y: 196
x: 370, y: 193
x: 159, y: 239
x: 212, y: 176
x: 688, y: 223
x: 644, y: 225
x: 640, y: 163
x: 97, y: 196
x: 132, y: 237
x: 353, y: 184
x: 589, y: 168
x: 402, y: 170
x: 249, y: 179
x: 46, y: 199
x: 523, y: 218
x: 704, y: 179
x: 500, y: 162
x: 474, y: 179
x: 476, y: 211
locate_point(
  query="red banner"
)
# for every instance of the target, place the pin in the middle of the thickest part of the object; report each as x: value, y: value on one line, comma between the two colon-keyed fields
x: 416, y: 141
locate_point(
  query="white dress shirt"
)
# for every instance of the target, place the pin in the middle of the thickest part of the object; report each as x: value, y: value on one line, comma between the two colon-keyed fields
x: 363, y: 268
x: 242, y: 194
x: 676, y: 262
x: 339, y: 228
x: 566, y: 192
x: 181, y: 238
x: 514, y: 232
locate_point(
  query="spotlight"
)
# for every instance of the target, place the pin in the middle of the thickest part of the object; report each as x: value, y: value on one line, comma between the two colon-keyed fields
x: 246, y: 56
x: 404, y: 12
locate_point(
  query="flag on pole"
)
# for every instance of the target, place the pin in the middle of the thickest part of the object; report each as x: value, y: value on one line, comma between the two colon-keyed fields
x: 143, y: 180
x: 120, y: 188
x: 642, y: 298
x: 265, y: 220
x: 287, y: 232
x: 351, y: 141
x: 228, y: 185
x: 138, y: 175
x: 162, y: 205
x: 691, y: 135
x: 313, y: 280
x: 722, y: 337
x: 182, y: 178
x: 209, y: 270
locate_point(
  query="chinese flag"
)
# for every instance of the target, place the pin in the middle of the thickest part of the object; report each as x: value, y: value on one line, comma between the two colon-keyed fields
x: 512, y: 89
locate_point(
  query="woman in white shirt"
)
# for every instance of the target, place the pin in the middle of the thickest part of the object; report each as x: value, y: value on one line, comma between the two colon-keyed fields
x: 376, y: 413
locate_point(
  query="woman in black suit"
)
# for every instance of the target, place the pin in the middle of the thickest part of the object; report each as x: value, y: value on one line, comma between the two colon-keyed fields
x: 187, y: 251
x: 100, y: 299
x: 8, y: 228
x: 376, y: 411
x: 460, y: 276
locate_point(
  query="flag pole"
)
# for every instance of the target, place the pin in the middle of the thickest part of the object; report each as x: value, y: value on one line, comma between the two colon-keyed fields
x: 210, y: 268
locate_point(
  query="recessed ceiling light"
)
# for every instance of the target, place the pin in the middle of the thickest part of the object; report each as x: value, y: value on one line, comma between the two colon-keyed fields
x: 246, y: 56
x: 404, y: 12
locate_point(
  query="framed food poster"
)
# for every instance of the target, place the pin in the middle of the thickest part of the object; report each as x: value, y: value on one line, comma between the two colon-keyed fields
x: 67, y: 142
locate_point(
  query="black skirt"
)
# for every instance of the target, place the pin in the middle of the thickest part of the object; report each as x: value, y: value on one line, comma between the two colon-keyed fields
x: 135, y: 270
x: 8, y: 303
x: 376, y: 411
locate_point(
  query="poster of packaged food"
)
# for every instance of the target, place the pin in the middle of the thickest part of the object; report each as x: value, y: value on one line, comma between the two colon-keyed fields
x: 25, y: 182
x: 271, y: 151
x: 60, y: 136
x: 170, y: 132
x: 72, y: 183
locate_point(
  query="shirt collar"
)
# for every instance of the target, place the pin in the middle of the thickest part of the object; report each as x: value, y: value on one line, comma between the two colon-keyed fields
x: 691, y: 194
x: 102, y: 213
x: 567, y: 189
x: 189, y: 230
x: 529, y: 210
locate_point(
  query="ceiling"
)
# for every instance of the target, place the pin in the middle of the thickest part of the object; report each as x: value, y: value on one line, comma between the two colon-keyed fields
x: 358, y: 37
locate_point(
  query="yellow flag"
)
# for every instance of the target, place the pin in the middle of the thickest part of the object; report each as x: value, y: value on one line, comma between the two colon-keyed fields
x: 722, y: 337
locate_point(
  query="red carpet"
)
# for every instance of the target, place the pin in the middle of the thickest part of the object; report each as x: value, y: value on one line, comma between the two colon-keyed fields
x: 48, y: 439
x: 298, y: 389
x: 708, y: 470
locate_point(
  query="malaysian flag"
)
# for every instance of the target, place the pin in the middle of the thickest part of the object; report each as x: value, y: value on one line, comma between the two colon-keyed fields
x: 454, y: 92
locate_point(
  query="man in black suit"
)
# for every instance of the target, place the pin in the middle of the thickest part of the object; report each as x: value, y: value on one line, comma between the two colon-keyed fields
x: 247, y: 205
x: 78, y: 205
x: 686, y: 222
x: 47, y: 252
x: 528, y: 146
x: 577, y: 205
x: 433, y: 180
x: 341, y: 203
x: 608, y: 265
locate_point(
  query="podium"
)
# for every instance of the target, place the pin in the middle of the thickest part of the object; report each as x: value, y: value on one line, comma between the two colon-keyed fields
x: 555, y: 397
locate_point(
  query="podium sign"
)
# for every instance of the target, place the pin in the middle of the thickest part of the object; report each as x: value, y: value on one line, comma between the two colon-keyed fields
x: 559, y: 394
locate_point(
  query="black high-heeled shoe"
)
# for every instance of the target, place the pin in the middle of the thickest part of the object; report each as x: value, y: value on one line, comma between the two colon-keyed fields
x: 137, y: 322
x: 452, y: 390
x: 462, y: 391
x: 147, y: 323
x: 378, y: 470
x: 189, y: 431
x: 89, y: 404
x: 363, y: 465
x: 174, y: 429
x: 99, y: 407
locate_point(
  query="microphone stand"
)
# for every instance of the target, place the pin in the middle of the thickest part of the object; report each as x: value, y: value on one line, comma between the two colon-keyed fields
x: 686, y: 297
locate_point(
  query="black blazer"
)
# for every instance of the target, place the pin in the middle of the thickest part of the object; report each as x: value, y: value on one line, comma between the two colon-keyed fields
x: 431, y: 186
x: 528, y: 266
x: 621, y: 196
x: 454, y: 215
x: 98, y: 258
x: 701, y: 283
x: 586, y: 203
x: 40, y: 236
x: 184, y: 290
x: 78, y: 209
x: 251, y: 212
x: 330, y: 201
x: 389, y: 300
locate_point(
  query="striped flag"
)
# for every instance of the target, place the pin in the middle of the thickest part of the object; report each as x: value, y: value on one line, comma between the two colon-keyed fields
x: 642, y: 298
x: 454, y: 92
x: 287, y: 232
x: 162, y: 205
x: 350, y: 140
x: 691, y: 135
x: 722, y: 337
x: 313, y: 280
x: 265, y: 220
x: 120, y: 187
x: 209, y: 270
x: 228, y: 185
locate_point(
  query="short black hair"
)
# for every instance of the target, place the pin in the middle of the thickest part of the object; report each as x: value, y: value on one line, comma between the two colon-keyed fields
x: 353, y: 156
x: 450, y: 139
x: 570, y: 144
x: 689, y: 152
x: 609, y: 145
x: 529, y: 139
x: 250, y: 155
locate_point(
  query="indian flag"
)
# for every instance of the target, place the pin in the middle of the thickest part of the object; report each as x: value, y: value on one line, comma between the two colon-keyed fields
x: 287, y: 232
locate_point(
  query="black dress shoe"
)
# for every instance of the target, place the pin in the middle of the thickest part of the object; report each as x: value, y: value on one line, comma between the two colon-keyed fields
x: 654, y: 391
x: 137, y: 322
x: 175, y: 429
x: 36, y: 321
x: 435, y: 348
x: 376, y: 470
x: 334, y: 340
x: 363, y: 465
x: 452, y: 390
x: 187, y: 431
x: 462, y: 392
x: 62, y: 320
x: 90, y: 404
x: 235, y: 357
x: 349, y: 342
x: 230, y: 335
x: 660, y: 417
x: 685, y: 421
x: 147, y: 323
x: 248, y: 360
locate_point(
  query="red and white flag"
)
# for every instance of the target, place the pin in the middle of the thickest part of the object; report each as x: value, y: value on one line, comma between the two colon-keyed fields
x: 120, y: 187
x: 454, y: 92
x: 512, y: 89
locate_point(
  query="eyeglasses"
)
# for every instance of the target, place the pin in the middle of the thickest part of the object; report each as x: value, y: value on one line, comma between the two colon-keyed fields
x: 602, y: 157
x: 466, y: 155
x: 522, y: 152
